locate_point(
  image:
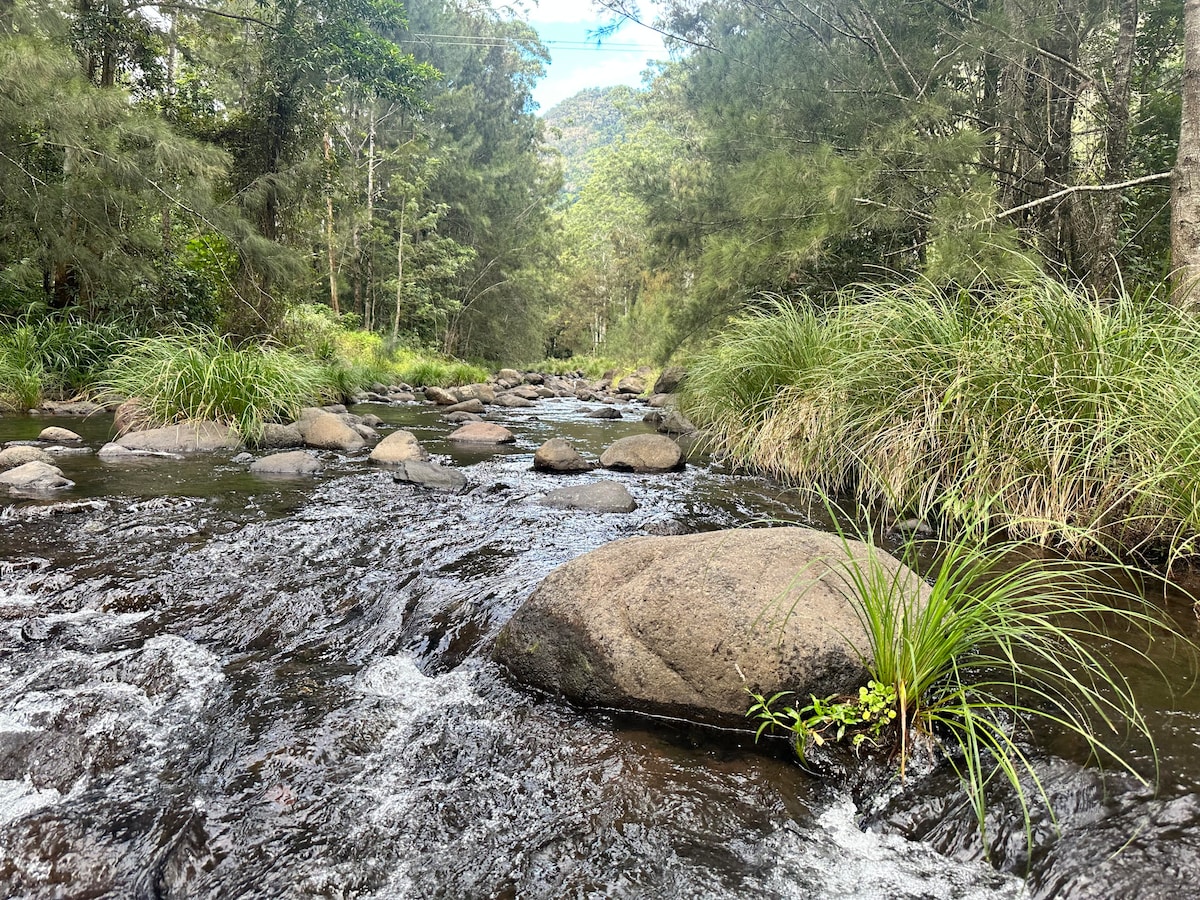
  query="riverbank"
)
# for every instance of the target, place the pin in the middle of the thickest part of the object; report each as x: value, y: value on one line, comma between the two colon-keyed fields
x: 1063, y: 419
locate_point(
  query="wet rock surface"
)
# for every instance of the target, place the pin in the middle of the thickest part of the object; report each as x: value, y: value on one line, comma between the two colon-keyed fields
x: 682, y: 626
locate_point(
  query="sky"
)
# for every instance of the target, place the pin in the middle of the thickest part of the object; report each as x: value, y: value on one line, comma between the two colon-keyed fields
x: 567, y: 28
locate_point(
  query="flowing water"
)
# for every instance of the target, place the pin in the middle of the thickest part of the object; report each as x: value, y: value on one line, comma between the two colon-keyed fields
x: 214, y: 685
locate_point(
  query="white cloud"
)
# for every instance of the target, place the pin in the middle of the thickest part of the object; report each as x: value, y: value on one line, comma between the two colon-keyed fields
x: 618, y: 69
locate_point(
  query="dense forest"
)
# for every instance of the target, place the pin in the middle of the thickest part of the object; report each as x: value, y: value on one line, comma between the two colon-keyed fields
x: 218, y: 163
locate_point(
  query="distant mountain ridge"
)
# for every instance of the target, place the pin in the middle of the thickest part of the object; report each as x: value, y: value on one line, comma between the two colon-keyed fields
x: 582, y: 124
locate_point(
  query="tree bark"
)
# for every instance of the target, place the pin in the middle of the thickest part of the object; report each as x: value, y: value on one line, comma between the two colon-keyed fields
x: 329, y: 248
x: 1185, y: 189
x: 1103, y: 270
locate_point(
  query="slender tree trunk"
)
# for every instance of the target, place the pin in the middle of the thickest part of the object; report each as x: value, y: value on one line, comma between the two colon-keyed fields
x: 1185, y: 192
x: 1103, y: 270
x: 399, y: 271
x: 329, y: 248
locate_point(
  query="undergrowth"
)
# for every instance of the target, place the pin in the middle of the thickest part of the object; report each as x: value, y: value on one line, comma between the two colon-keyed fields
x: 1066, y: 419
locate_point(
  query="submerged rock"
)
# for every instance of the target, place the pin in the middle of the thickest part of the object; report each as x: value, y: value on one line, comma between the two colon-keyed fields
x: 603, y: 496
x: 681, y: 626
x: 605, y: 412
x: 430, y: 475
x: 293, y: 462
x: 277, y: 437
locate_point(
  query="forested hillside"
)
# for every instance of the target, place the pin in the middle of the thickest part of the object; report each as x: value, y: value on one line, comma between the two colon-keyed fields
x: 583, y: 124
x: 216, y: 163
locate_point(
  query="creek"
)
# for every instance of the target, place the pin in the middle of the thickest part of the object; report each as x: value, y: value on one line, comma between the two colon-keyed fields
x: 214, y: 685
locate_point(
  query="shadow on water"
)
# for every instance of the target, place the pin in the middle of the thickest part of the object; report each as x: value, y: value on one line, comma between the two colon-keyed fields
x: 216, y: 686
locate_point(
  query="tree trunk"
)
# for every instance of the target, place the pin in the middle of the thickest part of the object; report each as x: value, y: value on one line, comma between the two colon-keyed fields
x: 1103, y: 270
x: 1185, y: 191
x: 400, y: 270
x: 329, y: 249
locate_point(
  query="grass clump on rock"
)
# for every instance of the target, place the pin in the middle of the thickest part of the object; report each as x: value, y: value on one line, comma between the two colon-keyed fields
x: 1003, y: 646
x: 200, y: 375
x: 1067, y: 419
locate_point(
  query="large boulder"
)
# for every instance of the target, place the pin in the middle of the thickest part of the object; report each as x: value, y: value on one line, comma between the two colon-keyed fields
x: 643, y: 453
x: 512, y: 401
x: 277, y: 437
x: 682, y: 626
x: 292, y: 462
x: 603, y: 497
x: 670, y: 380
x: 482, y: 433
x: 19, y: 454
x: 35, y: 478
x: 474, y: 405
x: 398, y: 447
x: 630, y: 384
x: 440, y: 396
x: 557, y: 455
x: 190, y: 437
x: 326, y: 431
x: 484, y: 393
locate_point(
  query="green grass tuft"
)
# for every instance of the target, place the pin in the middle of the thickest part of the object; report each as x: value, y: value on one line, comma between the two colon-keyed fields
x: 199, y: 375
x: 1067, y: 419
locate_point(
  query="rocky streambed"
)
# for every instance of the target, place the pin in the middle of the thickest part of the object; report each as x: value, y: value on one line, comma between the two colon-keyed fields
x: 216, y: 683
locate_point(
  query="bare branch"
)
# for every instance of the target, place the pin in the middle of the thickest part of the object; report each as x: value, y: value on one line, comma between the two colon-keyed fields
x: 1080, y: 189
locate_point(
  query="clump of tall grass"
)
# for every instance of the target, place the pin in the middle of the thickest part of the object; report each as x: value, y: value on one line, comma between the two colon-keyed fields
x: 1067, y: 419
x: 41, y: 356
x: 590, y: 367
x: 200, y: 375
x: 424, y: 370
x: 1001, y: 647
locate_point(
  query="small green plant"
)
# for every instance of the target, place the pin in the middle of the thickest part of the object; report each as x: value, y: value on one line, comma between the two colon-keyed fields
x: 863, y: 718
x: 1000, y: 645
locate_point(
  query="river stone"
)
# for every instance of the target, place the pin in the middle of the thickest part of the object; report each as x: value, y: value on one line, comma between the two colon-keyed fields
x: 557, y: 455
x: 293, y: 462
x: 366, y: 432
x: 372, y: 421
x: 675, y: 422
x: 482, y: 433
x: 430, y: 475
x: 458, y: 418
x: 440, y: 396
x: 643, y: 453
x: 190, y: 437
x: 681, y: 626
x: 19, y: 454
x: 398, y: 447
x: 469, y: 406
x: 603, y: 496
x: 114, y: 452
x: 525, y: 392
x: 71, y: 407
x: 605, y: 412
x: 402, y: 397
x: 328, y: 432
x: 35, y: 477
x: 631, y: 384
x: 511, y: 375
x: 659, y: 401
x: 512, y: 401
x: 277, y: 437
x: 484, y: 393
x: 670, y: 380
x: 55, y: 435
